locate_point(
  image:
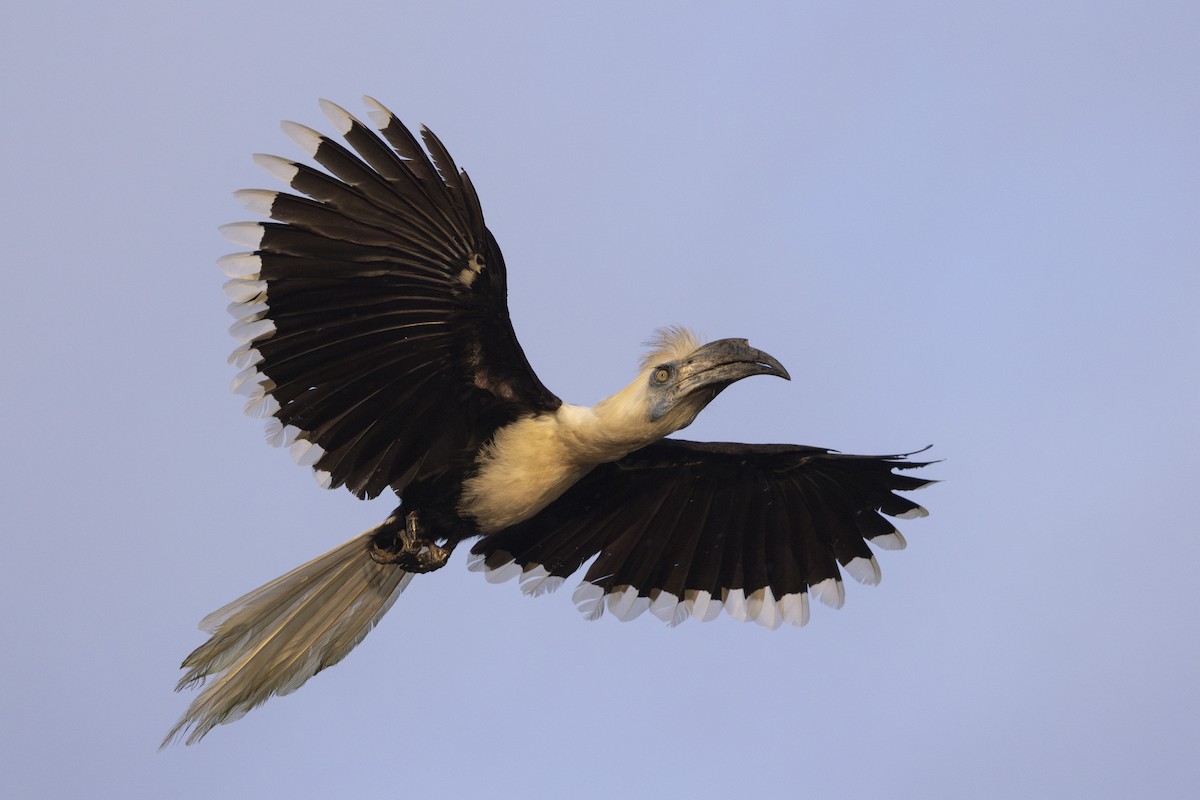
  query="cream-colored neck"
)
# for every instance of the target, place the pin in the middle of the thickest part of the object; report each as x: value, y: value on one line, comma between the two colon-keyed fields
x: 531, y: 462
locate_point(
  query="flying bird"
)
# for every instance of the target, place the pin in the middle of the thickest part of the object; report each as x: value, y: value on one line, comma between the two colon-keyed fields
x: 375, y: 337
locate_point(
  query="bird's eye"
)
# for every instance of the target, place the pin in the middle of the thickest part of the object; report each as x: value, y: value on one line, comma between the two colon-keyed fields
x: 661, y: 375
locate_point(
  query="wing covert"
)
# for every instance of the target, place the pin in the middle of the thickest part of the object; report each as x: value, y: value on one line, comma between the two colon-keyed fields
x: 373, y: 303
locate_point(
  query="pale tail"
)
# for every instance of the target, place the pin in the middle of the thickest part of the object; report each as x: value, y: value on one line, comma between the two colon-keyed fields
x: 275, y: 638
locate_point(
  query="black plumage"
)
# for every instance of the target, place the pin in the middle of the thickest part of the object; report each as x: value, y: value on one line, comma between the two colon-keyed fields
x: 676, y: 516
x: 375, y: 334
x: 373, y: 330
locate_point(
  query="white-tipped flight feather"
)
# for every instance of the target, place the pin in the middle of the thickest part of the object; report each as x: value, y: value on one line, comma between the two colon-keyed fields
x: 246, y: 234
x: 279, y: 168
x: 341, y: 119
x: 305, y: 137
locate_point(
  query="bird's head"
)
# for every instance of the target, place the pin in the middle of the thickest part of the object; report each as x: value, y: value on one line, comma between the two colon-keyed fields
x: 680, y: 376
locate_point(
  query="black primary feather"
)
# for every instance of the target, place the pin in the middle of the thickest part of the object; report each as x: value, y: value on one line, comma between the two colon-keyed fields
x: 386, y: 299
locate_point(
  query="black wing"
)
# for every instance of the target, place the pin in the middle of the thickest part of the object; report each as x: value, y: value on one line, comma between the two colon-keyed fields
x: 686, y: 528
x: 373, y: 313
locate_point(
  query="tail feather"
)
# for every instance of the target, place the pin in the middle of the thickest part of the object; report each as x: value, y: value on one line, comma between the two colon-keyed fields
x: 273, y: 639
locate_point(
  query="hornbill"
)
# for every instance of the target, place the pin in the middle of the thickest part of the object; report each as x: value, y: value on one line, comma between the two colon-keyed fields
x: 375, y: 336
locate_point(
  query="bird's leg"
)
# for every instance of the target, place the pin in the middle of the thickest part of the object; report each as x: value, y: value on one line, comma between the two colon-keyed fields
x: 406, y: 545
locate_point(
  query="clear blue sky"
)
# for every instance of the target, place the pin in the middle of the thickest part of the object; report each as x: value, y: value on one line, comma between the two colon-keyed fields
x: 976, y: 225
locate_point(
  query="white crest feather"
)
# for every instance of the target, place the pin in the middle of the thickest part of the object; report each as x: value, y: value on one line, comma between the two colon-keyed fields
x: 668, y: 344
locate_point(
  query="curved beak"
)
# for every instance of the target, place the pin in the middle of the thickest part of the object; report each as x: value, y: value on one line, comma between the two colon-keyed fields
x: 720, y: 363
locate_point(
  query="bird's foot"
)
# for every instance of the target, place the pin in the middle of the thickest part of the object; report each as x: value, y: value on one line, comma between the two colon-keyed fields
x: 406, y: 547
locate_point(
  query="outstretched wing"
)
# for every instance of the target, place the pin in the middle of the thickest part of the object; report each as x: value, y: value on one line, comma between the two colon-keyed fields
x: 373, y: 313
x: 686, y: 529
